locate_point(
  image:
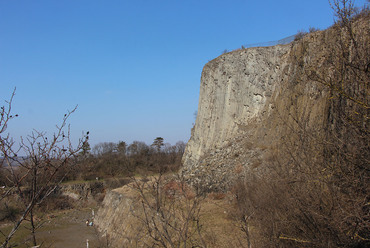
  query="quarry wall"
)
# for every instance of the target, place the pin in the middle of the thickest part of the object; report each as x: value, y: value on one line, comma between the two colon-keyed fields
x: 248, y: 99
x: 234, y: 92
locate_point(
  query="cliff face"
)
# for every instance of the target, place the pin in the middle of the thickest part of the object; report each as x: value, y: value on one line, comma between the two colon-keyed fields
x: 248, y: 98
x: 116, y: 219
x: 234, y: 91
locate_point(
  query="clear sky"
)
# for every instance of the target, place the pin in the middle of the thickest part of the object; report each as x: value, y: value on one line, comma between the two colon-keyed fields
x: 132, y: 67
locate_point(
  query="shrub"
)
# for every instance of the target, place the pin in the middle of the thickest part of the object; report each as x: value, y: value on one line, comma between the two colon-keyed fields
x: 300, y: 35
x: 55, y: 202
x: 312, y: 29
x: 8, y: 212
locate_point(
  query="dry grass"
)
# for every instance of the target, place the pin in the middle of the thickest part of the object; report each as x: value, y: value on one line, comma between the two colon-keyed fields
x: 219, y: 226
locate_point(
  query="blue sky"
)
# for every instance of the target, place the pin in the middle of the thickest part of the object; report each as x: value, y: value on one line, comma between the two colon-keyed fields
x: 132, y: 67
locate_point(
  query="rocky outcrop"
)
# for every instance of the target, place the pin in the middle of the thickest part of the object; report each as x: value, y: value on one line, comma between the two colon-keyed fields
x: 81, y: 191
x: 112, y: 219
x: 248, y: 98
x: 119, y: 219
x: 89, y: 192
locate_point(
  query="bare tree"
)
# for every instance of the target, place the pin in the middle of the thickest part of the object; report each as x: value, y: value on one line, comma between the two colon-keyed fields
x: 36, y: 166
x: 104, y: 148
x: 170, y: 212
x: 137, y: 148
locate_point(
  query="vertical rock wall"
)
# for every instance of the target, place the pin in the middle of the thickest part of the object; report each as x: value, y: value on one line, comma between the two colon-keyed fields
x: 248, y: 99
x: 234, y: 91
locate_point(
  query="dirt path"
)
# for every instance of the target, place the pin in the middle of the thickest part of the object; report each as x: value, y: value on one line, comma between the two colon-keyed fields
x: 60, y: 230
x: 69, y: 229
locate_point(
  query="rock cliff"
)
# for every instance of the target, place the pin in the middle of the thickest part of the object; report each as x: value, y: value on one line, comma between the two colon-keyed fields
x: 247, y: 100
x: 235, y: 88
x: 114, y: 217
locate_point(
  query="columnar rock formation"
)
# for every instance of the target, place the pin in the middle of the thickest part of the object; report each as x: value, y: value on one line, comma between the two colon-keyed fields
x: 234, y: 91
x: 245, y: 96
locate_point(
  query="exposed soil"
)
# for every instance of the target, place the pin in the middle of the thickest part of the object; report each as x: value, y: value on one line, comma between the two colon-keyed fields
x: 70, y: 230
x: 64, y: 229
